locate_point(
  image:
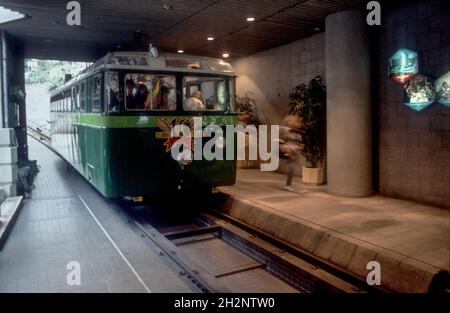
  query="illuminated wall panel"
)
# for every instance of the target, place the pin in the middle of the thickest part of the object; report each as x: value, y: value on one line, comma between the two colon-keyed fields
x: 443, y: 90
x: 403, y: 65
x: 419, y: 92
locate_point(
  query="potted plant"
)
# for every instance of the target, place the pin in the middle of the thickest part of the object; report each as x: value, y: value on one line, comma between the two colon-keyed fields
x: 309, y: 103
x: 246, y: 109
x: 248, y: 115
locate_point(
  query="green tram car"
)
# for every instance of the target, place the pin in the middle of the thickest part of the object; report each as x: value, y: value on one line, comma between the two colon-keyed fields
x: 112, y: 122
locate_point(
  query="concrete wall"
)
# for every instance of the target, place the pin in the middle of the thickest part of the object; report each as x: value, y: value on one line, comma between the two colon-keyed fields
x: 414, y: 150
x: 272, y: 74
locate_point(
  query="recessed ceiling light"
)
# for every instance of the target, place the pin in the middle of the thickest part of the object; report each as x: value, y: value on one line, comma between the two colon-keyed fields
x: 226, y: 55
x: 180, y: 51
x: 210, y: 38
x: 250, y: 19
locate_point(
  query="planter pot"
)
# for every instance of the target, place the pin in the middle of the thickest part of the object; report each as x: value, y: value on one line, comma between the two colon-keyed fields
x: 312, y: 176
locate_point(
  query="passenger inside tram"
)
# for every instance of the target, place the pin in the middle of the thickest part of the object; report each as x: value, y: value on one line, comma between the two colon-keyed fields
x: 150, y: 92
x: 204, y: 93
x: 194, y: 102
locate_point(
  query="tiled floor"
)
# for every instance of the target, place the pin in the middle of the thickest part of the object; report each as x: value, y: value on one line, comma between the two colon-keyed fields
x: 411, y: 229
x: 55, y: 228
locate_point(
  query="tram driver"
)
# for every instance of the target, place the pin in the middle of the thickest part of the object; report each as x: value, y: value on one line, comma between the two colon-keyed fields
x: 194, y: 102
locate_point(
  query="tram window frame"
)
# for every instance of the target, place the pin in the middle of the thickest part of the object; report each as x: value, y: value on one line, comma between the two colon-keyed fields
x: 173, y: 88
x: 232, y: 94
x: 186, y: 96
x: 75, y: 98
x: 112, y: 89
x: 70, y: 100
x: 82, y: 96
x: 95, y: 92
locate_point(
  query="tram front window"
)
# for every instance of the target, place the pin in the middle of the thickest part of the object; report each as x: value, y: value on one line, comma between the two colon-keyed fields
x: 204, y: 93
x: 150, y: 92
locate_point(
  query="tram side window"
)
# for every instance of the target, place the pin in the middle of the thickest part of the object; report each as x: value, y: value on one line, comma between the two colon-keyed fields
x: 82, y: 97
x: 96, y: 93
x: 112, y: 92
x: 204, y: 93
x: 150, y: 92
x: 75, y: 100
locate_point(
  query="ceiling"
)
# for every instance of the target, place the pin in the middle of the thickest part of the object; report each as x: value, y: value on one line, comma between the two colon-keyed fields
x: 111, y: 25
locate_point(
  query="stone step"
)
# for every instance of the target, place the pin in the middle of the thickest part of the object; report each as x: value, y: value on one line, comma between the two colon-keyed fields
x: 9, y: 211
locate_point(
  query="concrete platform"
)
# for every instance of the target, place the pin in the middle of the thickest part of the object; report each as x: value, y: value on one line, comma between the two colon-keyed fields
x: 67, y: 220
x: 411, y: 241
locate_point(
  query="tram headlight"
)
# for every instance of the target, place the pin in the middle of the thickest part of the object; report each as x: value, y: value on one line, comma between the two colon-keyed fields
x: 185, y: 157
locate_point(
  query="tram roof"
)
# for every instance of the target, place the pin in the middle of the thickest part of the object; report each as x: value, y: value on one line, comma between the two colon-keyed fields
x: 142, y: 61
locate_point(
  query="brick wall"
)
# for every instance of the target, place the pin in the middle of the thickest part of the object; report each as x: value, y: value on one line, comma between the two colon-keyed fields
x: 414, y: 151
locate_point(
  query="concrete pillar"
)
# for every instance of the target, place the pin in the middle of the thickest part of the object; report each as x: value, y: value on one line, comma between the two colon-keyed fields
x: 349, y: 127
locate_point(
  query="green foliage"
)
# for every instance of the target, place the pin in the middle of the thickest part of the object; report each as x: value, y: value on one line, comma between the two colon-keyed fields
x: 246, y: 105
x: 50, y: 73
x: 309, y: 103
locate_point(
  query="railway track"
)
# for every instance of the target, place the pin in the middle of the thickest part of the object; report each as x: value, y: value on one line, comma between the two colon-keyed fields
x: 216, y: 253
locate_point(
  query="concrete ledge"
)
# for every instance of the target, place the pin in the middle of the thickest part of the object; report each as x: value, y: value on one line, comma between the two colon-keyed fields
x: 9, y: 210
x: 399, y: 273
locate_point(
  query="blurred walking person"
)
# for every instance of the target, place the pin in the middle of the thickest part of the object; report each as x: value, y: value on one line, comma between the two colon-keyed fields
x: 291, y: 144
